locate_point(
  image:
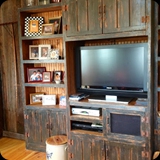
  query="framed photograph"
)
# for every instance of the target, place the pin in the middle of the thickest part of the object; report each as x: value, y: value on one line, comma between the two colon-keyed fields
x: 49, y: 100
x: 58, y: 76
x: 33, y: 52
x: 36, y: 98
x: 62, y: 100
x: 44, y: 51
x: 46, y: 76
x: 54, y: 54
x: 35, y: 74
x: 33, y: 26
x: 47, y: 29
x: 56, y: 21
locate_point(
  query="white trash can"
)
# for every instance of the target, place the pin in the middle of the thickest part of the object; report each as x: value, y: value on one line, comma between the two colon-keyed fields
x: 56, y: 148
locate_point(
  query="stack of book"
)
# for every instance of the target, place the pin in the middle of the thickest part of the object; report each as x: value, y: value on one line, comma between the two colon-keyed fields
x: 78, y: 96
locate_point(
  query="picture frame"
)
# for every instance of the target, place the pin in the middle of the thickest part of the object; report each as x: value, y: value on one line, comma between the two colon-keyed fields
x: 49, y: 100
x: 44, y: 51
x: 33, y: 26
x: 46, y: 76
x: 35, y: 74
x: 47, y: 29
x: 36, y: 98
x: 33, y: 52
x: 54, y: 54
x: 56, y: 21
x: 43, y: 2
x: 57, y: 77
x: 62, y: 101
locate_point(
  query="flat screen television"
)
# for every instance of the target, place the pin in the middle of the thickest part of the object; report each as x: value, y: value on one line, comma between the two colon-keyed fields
x: 119, y: 70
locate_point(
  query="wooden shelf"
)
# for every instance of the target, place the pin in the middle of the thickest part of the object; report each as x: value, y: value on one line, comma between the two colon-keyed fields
x: 83, y: 118
x: 52, y: 84
x: 39, y: 106
x: 42, y: 37
x: 84, y: 132
x: 43, y: 61
x: 42, y: 8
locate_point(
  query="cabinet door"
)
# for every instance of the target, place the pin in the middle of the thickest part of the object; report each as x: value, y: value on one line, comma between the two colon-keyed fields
x: 83, y: 17
x: 122, y: 151
x: 124, y: 15
x: 86, y: 148
x: 41, y: 124
x: 57, y: 123
x: 36, y: 123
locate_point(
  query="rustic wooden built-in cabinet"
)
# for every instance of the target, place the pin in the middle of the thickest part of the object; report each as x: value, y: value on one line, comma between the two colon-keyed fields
x: 92, y: 23
x: 42, y: 121
x: 104, y: 16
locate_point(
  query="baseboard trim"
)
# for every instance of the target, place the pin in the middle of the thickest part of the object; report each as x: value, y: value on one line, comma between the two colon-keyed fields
x: 13, y: 135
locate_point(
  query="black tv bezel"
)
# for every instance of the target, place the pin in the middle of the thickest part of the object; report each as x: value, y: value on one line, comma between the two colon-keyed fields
x: 121, y: 93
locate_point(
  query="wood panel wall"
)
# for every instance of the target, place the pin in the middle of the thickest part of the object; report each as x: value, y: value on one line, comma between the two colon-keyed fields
x: 10, y: 67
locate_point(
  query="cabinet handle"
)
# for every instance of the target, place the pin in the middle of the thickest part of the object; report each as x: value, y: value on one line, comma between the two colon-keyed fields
x: 104, y: 7
x: 51, y: 126
x: 47, y: 126
x: 100, y: 9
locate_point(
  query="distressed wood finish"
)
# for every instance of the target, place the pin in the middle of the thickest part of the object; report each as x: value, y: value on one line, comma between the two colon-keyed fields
x: 93, y: 148
x: 89, y: 17
x: 123, y: 22
x: 42, y: 121
x: 10, y: 65
x: 41, y: 124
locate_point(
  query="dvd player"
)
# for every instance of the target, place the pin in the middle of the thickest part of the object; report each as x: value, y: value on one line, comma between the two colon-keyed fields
x: 86, y: 111
x: 87, y: 126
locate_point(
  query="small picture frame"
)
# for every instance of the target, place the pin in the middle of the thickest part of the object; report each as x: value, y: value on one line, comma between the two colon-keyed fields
x: 36, y: 98
x: 47, y: 29
x: 46, y: 76
x: 54, y: 54
x: 33, y: 26
x: 56, y: 21
x: 49, y: 100
x: 33, y: 52
x: 35, y: 74
x: 44, y: 51
x: 62, y: 101
x: 58, y: 75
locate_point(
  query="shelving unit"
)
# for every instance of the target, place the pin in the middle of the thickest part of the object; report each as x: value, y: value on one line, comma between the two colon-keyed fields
x: 122, y: 28
x: 42, y: 121
x: 94, y: 26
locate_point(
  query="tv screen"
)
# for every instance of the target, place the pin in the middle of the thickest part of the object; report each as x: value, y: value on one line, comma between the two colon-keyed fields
x: 113, y: 69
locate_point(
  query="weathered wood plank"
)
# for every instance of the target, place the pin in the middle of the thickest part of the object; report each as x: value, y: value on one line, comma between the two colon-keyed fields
x: 11, y: 81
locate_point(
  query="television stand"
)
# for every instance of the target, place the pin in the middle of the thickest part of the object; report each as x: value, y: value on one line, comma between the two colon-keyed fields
x: 101, y: 98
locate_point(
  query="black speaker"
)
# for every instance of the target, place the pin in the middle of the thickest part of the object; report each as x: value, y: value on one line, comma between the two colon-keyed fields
x: 126, y: 124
